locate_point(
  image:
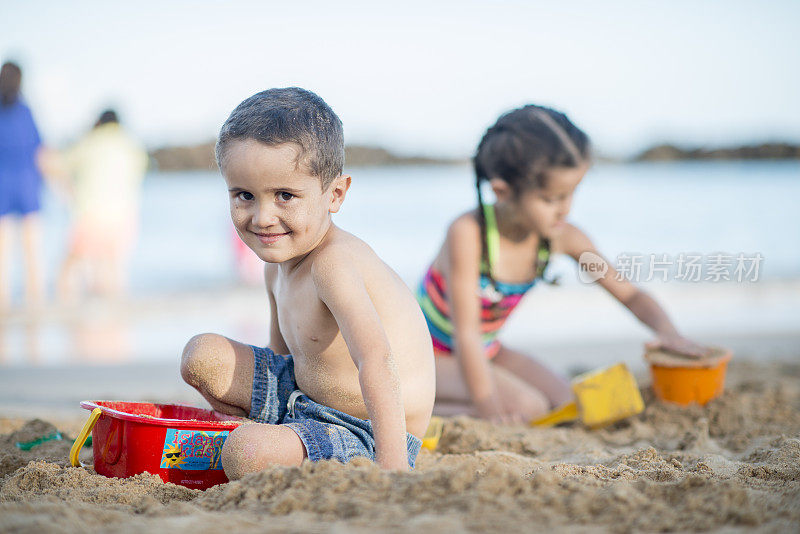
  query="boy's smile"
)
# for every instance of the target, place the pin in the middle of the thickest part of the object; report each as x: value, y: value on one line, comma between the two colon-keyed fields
x: 270, y: 238
x: 278, y: 208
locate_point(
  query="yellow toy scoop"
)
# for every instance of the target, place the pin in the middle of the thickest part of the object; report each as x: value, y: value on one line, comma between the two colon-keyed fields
x: 562, y: 414
x: 82, y: 437
x: 431, y: 438
x: 602, y: 397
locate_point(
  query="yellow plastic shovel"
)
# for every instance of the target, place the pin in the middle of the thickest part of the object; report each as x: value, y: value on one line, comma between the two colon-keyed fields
x: 602, y: 397
x: 433, y: 433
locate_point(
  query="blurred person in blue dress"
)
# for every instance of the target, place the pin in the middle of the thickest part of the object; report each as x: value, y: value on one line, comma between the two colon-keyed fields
x: 20, y: 187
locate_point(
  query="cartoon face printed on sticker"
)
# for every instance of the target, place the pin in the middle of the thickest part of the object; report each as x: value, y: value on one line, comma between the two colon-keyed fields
x: 173, y: 456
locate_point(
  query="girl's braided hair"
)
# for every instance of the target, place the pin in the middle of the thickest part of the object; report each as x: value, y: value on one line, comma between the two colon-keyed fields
x: 520, y: 148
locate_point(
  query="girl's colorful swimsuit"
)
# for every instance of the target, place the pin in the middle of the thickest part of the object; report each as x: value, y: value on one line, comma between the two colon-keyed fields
x: 498, y: 299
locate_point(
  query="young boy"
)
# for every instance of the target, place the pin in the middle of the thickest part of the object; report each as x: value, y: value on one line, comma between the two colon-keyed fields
x: 350, y: 369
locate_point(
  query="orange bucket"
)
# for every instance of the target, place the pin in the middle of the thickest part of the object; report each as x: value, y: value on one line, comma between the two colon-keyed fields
x: 683, y: 380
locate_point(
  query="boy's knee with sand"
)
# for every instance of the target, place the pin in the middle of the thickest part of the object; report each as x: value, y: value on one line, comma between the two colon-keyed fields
x: 239, y: 455
x: 253, y: 447
x: 207, y: 364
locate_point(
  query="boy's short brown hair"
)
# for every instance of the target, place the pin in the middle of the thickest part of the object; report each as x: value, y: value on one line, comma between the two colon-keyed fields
x: 289, y: 115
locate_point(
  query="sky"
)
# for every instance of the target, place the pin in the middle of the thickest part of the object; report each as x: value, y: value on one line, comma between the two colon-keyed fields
x: 417, y: 77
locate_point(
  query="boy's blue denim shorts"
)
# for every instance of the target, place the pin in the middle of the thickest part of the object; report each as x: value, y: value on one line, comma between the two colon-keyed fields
x: 325, y: 432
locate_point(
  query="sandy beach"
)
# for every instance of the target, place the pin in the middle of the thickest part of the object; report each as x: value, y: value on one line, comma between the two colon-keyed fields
x: 731, y: 465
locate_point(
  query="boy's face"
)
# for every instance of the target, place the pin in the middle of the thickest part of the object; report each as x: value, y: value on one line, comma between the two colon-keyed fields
x: 278, y: 208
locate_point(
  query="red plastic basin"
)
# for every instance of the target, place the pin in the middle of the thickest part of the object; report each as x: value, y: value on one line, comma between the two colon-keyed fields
x: 181, y: 444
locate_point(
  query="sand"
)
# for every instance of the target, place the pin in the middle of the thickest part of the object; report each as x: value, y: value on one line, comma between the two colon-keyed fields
x: 731, y: 465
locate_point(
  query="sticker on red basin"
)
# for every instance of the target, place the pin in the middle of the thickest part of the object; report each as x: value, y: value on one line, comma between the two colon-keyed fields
x: 193, y: 450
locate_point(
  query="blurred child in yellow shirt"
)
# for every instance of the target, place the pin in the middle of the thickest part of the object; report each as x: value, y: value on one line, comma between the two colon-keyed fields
x: 106, y: 169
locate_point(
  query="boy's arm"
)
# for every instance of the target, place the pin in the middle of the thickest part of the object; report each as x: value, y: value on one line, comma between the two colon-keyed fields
x: 276, y: 341
x: 574, y: 242
x: 342, y: 289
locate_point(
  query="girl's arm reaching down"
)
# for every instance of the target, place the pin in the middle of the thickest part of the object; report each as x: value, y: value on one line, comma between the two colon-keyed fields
x: 342, y: 289
x: 574, y: 242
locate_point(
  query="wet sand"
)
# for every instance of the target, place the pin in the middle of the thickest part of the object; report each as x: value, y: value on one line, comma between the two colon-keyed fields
x: 731, y: 465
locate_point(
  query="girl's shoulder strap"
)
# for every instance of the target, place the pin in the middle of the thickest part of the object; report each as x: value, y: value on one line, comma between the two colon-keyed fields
x: 542, y: 257
x: 492, y: 238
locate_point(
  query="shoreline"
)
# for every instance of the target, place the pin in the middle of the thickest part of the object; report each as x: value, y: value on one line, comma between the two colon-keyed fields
x: 39, y: 391
x: 568, y: 327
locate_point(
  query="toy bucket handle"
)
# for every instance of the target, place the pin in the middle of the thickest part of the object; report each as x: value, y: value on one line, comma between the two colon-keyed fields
x: 82, y: 436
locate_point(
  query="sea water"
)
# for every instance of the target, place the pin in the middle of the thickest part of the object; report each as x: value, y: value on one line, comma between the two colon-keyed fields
x: 185, y: 248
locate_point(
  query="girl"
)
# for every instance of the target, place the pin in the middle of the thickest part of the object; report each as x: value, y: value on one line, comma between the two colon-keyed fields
x: 533, y: 158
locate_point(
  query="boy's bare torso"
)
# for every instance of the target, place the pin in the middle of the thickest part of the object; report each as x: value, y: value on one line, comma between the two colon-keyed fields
x: 323, y: 367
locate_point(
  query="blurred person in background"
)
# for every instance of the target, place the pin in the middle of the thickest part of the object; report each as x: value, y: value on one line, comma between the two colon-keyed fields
x: 20, y: 187
x: 105, y: 171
